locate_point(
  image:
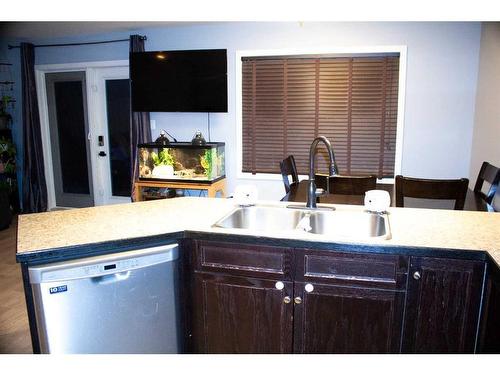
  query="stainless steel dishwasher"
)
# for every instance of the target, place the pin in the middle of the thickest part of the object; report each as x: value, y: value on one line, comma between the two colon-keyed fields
x: 119, y: 303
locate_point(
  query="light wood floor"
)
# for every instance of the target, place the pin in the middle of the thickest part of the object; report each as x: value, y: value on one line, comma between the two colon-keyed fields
x: 14, y: 329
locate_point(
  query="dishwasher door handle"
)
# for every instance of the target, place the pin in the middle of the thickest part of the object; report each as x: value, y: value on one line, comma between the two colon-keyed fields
x: 109, y: 279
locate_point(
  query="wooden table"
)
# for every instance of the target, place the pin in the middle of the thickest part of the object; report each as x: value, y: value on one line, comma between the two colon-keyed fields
x: 298, y: 193
x: 212, y: 188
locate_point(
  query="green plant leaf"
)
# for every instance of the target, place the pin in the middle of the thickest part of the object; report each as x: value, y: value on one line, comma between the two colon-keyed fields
x: 156, y: 160
x: 163, y: 158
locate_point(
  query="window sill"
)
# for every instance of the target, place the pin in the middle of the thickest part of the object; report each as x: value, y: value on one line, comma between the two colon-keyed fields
x: 277, y: 177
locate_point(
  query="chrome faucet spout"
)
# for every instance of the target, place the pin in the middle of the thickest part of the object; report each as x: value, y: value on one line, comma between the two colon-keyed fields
x: 333, y: 170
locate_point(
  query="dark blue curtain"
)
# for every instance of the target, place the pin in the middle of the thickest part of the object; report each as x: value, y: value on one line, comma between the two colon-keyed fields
x: 140, y: 129
x: 34, y: 194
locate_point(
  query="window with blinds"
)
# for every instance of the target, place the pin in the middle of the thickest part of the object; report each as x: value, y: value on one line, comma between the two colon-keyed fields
x: 288, y: 101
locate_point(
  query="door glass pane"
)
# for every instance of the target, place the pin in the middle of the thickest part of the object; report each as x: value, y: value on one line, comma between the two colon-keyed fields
x: 118, y: 109
x: 72, y: 137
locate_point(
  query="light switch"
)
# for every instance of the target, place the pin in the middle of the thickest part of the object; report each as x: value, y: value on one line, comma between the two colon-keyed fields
x: 153, y: 124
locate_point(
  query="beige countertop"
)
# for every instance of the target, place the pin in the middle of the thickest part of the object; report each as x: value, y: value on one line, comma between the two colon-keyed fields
x: 446, y: 229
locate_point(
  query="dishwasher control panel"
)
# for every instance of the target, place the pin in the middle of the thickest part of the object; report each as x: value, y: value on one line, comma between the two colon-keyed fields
x: 103, y: 264
x: 111, y: 267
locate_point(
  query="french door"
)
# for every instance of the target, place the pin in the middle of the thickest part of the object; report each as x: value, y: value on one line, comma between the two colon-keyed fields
x: 85, y: 118
x: 68, y: 123
x: 111, y: 138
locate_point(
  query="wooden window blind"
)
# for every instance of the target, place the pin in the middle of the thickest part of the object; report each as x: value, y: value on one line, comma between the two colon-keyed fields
x: 288, y: 101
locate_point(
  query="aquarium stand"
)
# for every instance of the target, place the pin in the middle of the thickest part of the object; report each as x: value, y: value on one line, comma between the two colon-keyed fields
x: 212, y: 187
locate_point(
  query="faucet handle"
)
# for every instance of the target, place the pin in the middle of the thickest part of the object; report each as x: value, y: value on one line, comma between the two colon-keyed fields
x: 333, y: 169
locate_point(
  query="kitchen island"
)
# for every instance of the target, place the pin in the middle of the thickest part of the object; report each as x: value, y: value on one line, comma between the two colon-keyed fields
x: 374, y: 288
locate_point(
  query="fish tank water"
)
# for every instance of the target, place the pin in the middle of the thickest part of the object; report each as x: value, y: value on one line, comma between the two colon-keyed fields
x: 182, y: 162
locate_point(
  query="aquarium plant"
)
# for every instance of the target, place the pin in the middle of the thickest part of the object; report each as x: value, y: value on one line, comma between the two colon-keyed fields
x: 206, y: 162
x: 162, y: 158
x: 164, y: 164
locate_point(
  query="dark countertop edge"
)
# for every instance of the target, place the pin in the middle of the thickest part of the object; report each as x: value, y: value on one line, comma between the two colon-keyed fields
x: 108, y: 247
x: 97, y: 248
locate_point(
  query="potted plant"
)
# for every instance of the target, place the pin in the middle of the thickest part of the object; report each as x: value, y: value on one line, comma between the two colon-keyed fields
x: 164, y: 164
x: 5, y: 117
x: 7, y: 180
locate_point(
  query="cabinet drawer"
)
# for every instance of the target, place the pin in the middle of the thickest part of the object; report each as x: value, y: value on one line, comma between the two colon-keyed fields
x: 239, y: 259
x: 376, y: 270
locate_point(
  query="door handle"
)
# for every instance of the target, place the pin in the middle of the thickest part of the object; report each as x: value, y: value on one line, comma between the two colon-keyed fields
x: 102, y: 153
x: 111, y: 278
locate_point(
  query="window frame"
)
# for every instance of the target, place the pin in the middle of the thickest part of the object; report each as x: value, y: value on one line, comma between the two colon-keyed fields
x: 338, y: 51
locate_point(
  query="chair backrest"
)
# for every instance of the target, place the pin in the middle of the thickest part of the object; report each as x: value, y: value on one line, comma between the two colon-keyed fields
x: 288, y: 168
x: 431, y: 189
x: 490, y: 174
x: 352, y: 185
x: 495, y: 203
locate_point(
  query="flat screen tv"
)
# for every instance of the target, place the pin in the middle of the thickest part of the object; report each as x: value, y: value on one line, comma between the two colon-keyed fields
x: 179, y: 81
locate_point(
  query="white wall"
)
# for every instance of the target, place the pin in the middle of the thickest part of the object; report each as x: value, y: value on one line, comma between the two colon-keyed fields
x: 441, y: 81
x: 486, y: 139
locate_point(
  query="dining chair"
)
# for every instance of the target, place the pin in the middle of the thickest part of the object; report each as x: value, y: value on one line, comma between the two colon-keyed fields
x: 495, y: 203
x: 431, y: 189
x: 347, y: 185
x: 490, y: 174
x: 289, y: 171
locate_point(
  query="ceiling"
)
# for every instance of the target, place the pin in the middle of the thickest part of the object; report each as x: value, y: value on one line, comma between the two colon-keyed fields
x: 40, y: 30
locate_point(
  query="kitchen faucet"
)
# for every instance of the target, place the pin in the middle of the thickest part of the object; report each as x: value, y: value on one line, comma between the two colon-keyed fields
x: 333, y: 170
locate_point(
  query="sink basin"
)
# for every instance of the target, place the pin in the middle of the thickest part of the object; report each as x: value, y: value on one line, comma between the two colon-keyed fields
x: 350, y: 223
x: 354, y: 224
x: 261, y: 218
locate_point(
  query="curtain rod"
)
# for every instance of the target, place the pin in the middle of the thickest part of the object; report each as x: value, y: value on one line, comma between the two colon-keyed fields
x: 81, y: 44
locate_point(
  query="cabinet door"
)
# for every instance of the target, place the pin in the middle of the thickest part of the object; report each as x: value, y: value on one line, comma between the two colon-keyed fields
x: 442, y: 307
x: 340, y: 319
x: 241, y: 315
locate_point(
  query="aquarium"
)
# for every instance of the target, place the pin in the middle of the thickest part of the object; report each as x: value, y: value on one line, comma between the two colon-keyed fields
x: 181, y: 161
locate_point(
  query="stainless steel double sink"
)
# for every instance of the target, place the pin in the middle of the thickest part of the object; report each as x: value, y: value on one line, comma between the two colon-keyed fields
x: 355, y: 224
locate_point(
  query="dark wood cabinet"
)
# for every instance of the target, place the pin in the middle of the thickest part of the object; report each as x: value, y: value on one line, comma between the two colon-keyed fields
x: 350, y: 303
x: 244, y: 260
x: 242, y: 299
x: 442, y: 307
x: 339, y: 319
x: 242, y: 315
x: 264, y: 299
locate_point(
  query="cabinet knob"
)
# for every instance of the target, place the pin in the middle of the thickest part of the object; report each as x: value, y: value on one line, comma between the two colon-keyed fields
x: 416, y: 275
x: 309, y: 288
x: 279, y: 285
x: 287, y: 300
x: 297, y: 300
